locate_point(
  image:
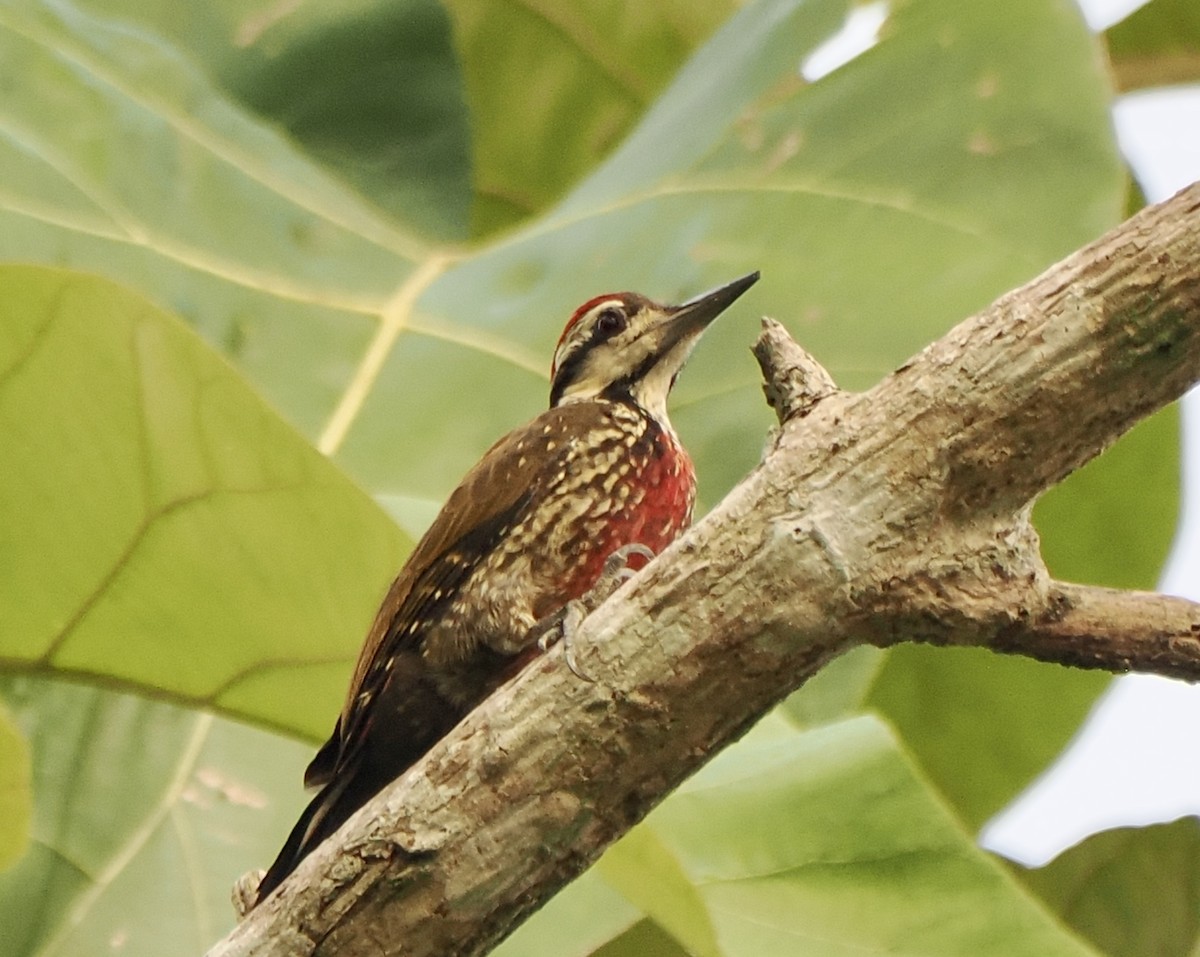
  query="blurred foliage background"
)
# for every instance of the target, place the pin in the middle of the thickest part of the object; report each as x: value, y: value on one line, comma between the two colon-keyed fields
x: 276, y: 272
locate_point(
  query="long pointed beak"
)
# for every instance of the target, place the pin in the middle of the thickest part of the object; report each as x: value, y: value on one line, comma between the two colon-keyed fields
x: 691, y: 317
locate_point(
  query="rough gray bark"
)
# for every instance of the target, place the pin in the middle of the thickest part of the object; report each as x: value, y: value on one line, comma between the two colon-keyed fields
x: 897, y: 514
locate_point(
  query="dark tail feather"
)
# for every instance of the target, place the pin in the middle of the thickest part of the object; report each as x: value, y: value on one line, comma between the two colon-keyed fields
x: 324, y: 815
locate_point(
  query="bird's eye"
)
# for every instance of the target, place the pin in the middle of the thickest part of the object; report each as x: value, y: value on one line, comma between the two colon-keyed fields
x: 610, y: 321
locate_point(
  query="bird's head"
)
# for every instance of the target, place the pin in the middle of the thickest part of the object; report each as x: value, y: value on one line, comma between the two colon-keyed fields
x: 625, y: 346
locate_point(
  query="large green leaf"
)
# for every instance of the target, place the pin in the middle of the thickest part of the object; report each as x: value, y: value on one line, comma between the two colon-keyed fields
x: 838, y: 690
x: 582, y: 917
x: 16, y: 794
x: 827, y: 843
x: 982, y: 725
x: 1157, y: 45
x: 145, y: 816
x: 1088, y: 537
x: 643, y: 939
x: 650, y: 874
x: 161, y: 527
x: 119, y: 156
x: 562, y: 88
x: 1132, y: 891
x: 405, y: 143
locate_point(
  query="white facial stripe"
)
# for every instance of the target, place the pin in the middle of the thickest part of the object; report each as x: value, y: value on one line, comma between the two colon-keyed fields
x: 582, y: 331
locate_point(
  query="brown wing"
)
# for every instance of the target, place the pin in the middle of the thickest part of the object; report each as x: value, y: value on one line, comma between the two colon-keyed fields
x: 490, y: 498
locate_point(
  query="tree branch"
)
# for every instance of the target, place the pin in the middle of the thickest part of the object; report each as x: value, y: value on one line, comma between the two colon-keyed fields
x: 894, y: 515
x: 1114, y: 631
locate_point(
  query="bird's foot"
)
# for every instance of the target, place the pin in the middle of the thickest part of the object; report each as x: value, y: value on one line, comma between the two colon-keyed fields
x: 615, y: 573
x: 562, y: 624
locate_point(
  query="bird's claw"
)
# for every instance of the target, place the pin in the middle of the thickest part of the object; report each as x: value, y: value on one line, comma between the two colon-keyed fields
x: 562, y: 624
x: 615, y: 572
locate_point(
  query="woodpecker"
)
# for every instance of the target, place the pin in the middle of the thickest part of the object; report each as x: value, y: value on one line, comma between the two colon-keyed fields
x: 526, y: 534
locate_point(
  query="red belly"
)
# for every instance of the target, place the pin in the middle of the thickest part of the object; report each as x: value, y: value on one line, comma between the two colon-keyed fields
x: 660, y: 489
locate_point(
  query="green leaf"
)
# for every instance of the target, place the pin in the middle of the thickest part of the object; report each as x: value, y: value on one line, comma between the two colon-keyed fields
x: 982, y: 725
x: 118, y: 156
x: 580, y: 918
x: 145, y: 816
x: 838, y: 690
x: 643, y: 939
x: 162, y: 528
x: 16, y: 795
x: 1156, y: 45
x: 826, y: 842
x: 383, y: 102
x: 371, y: 88
x: 1081, y: 519
x: 650, y: 875
x: 1132, y: 891
x: 562, y: 88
